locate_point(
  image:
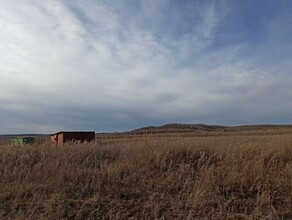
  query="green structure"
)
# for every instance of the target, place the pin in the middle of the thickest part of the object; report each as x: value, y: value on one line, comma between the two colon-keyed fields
x: 23, y: 140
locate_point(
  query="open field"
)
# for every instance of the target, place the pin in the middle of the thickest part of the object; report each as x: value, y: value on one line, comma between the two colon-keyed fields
x: 219, y: 175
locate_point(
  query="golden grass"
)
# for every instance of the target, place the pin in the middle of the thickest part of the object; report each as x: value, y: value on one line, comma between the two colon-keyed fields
x: 215, y: 177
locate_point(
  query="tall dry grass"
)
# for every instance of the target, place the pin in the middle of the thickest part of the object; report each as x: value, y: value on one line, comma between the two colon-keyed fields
x: 230, y: 177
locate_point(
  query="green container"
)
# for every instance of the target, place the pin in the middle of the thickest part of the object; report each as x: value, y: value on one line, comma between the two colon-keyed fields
x: 23, y: 140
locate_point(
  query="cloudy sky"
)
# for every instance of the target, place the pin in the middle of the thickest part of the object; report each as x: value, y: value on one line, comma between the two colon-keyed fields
x: 115, y: 65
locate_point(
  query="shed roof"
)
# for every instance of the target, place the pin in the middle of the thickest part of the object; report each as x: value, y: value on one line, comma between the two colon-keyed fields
x: 73, y: 132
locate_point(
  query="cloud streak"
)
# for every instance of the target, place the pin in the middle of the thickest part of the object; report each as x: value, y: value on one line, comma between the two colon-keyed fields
x: 116, y: 66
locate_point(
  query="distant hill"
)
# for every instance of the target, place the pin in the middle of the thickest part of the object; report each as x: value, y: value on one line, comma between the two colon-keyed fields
x: 182, y: 128
x: 178, y: 128
x: 173, y: 128
x: 9, y: 136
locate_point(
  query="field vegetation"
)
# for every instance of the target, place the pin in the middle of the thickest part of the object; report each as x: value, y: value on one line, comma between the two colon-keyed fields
x: 224, y: 175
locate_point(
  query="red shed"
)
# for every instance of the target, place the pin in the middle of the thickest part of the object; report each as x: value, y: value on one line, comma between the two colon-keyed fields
x: 61, y: 137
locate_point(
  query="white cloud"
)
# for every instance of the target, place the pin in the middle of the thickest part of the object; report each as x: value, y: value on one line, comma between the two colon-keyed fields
x: 84, y: 57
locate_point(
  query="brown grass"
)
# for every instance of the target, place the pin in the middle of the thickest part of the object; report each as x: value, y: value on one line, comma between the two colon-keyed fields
x: 216, y: 177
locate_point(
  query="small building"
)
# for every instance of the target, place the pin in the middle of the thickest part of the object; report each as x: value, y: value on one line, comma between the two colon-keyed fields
x: 62, y: 137
x: 23, y: 140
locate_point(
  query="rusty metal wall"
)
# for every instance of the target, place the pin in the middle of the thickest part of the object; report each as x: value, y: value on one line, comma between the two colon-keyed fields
x: 60, y: 139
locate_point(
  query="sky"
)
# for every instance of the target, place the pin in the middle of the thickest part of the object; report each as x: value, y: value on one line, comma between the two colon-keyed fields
x: 108, y: 65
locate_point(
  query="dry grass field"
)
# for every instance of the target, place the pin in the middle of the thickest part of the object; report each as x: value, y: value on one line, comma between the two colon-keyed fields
x: 236, y: 175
